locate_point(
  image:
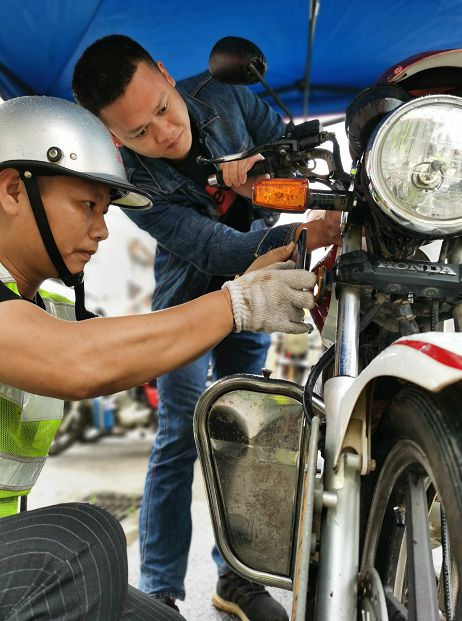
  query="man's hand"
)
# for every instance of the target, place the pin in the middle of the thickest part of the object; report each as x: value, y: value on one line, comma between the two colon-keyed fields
x: 235, y: 175
x: 322, y: 228
x: 276, y: 255
x: 272, y: 299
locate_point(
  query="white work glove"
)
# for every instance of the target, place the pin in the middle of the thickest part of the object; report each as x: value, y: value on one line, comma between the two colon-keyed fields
x: 272, y: 299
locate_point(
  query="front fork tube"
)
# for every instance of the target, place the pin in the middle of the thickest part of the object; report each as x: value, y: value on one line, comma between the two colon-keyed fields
x: 348, y: 318
x: 337, y: 594
x: 347, y: 340
x: 339, y: 554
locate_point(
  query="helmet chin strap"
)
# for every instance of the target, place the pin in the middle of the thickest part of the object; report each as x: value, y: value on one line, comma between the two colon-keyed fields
x: 70, y: 280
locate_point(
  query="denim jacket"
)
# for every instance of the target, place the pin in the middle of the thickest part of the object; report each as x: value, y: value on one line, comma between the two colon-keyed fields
x: 191, y: 244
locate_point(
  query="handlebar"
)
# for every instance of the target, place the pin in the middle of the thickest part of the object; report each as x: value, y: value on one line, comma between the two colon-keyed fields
x: 259, y: 168
x: 326, y: 199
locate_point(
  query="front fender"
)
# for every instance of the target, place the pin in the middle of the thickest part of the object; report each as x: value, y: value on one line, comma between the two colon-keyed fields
x: 432, y: 360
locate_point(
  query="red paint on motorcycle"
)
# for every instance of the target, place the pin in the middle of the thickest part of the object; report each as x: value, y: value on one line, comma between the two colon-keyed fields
x: 443, y: 356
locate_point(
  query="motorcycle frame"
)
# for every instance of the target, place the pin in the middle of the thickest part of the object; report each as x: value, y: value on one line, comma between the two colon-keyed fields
x: 348, y: 433
x: 339, y: 553
x: 347, y: 453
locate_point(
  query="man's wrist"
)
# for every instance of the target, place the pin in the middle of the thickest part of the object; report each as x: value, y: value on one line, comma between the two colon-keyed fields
x: 227, y: 295
x: 298, y: 230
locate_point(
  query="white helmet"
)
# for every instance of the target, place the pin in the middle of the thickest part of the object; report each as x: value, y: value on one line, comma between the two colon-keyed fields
x: 51, y: 136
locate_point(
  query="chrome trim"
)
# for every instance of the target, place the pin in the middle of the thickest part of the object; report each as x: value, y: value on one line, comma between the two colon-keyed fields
x: 255, y: 383
x: 346, y: 353
x: 348, y: 313
x: 318, y: 405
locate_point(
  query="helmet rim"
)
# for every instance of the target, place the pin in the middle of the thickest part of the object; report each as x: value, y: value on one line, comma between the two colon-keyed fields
x: 53, y: 136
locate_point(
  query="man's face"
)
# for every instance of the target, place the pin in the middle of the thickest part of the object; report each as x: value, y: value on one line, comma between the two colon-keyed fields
x: 151, y: 117
x: 75, y: 209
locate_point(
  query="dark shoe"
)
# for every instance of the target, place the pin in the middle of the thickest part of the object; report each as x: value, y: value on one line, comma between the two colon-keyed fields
x: 168, y: 602
x: 247, y: 600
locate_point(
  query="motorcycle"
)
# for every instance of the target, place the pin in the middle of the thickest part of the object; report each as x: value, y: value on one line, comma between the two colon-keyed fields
x: 348, y: 490
x: 90, y: 420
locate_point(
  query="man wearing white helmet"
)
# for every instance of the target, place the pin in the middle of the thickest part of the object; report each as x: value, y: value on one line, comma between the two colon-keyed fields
x: 59, y: 171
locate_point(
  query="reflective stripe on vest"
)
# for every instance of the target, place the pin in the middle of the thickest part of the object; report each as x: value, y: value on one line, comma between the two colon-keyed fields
x: 33, y: 407
x: 20, y: 472
x: 28, y: 422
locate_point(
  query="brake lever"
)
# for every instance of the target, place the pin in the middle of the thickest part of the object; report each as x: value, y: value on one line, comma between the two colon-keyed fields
x: 302, y: 137
x: 234, y: 157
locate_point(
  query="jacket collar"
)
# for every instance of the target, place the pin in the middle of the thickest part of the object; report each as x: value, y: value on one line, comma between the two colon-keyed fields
x: 201, y: 113
x: 167, y: 179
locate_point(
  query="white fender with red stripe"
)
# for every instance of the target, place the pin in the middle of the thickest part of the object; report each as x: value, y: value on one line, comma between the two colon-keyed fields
x: 432, y: 360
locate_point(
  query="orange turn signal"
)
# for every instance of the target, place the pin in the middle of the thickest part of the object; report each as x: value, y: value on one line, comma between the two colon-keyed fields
x: 281, y: 194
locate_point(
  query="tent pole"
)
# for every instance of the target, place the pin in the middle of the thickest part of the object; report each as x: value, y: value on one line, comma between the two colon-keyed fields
x: 313, y: 15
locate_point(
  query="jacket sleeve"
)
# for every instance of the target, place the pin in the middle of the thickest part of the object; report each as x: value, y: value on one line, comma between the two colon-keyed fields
x: 263, y: 123
x: 212, y: 247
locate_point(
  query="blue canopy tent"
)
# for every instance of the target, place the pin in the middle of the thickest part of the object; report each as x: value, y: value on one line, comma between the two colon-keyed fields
x: 354, y: 41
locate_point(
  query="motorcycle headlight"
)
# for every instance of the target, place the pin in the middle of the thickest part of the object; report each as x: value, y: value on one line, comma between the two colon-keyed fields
x: 413, y: 165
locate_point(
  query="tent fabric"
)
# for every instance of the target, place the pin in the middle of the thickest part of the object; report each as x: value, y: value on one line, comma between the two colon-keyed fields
x: 354, y: 41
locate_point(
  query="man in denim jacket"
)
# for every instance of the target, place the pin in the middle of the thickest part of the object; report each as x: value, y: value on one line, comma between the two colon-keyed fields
x: 204, y: 235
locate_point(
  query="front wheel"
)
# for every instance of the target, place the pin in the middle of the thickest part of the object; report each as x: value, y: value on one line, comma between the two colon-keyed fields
x: 412, y: 552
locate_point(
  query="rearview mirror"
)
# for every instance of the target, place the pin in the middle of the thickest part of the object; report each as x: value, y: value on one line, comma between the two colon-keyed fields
x: 232, y: 59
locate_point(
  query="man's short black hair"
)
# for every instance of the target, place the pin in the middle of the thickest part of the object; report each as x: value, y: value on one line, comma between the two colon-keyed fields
x: 105, y: 69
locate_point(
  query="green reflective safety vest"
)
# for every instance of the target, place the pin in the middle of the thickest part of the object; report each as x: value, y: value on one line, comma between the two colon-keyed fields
x: 28, y: 422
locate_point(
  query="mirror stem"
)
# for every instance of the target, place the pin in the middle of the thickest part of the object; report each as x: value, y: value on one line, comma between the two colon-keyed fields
x: 269, y: 90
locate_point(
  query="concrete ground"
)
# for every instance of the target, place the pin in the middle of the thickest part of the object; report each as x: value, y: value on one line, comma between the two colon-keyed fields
x: 117, y: 464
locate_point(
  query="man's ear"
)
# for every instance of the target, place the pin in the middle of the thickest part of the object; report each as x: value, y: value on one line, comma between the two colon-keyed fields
x: 116, y: 141
x: 165, y: 73
x: 10, y: 190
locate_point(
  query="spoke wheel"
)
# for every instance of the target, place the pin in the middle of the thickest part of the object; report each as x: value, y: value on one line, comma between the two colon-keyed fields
x: 418, y: 446
x: 372, y: 597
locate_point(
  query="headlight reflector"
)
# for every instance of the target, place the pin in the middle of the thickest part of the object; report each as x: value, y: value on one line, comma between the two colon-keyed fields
x: 414, y: 165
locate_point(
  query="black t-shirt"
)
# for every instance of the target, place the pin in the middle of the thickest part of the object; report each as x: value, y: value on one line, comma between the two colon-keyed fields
x: 232, y: 209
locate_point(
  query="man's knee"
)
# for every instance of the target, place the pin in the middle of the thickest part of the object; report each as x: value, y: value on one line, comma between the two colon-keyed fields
x: 78, y: 554
x: 71, y: 526
x: 91, y: 523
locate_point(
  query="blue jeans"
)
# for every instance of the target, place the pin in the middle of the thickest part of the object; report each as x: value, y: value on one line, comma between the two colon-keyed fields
x: 165, y: 517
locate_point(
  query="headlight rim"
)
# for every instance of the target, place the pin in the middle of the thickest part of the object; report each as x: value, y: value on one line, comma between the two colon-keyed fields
x: 418, y: 226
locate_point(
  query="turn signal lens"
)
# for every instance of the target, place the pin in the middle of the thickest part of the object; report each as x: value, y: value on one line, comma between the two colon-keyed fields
x: 281, y: 194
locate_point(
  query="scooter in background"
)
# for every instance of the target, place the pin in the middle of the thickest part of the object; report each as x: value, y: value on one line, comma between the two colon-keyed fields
x: 90, y: 420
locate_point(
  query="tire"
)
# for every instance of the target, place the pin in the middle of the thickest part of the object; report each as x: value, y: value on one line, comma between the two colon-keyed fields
x: 418, y: 450
x: 71, y: 427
